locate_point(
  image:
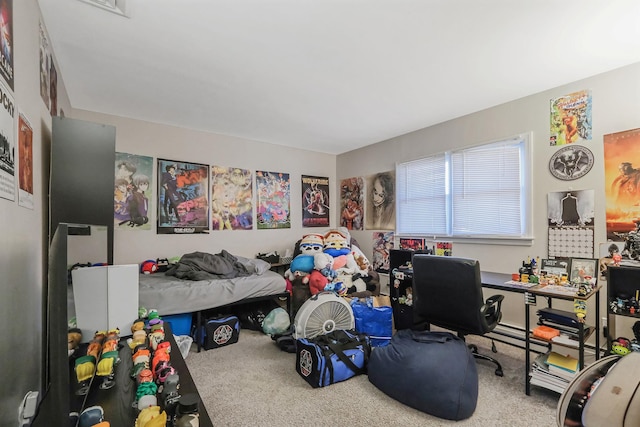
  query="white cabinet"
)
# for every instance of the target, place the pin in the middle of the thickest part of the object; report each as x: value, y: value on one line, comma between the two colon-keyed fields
x: 105, y: 297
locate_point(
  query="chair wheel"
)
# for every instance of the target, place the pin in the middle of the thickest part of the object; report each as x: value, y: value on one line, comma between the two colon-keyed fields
x: 499, y: 372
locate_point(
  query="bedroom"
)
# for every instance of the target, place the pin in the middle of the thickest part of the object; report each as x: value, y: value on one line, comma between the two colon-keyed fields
x: 616, y: 102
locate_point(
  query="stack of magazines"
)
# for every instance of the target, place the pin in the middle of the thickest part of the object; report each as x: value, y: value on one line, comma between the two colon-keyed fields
x: 553, y: 371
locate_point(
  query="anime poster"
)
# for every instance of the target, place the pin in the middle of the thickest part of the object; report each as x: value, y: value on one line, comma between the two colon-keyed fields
x: 382, y: 244
x: 7, y: 145
x: 622, y: 182
x: 381, y: 205
x: 412, y: 244
x: 132, y: 191
x: 45, y: 59
x: 53, y: 88
x: 231, y: 198
x: 444, y: 248
x: 6, y: 41
x: 352, y: 203
x: 273, y: 200
x: 571, y: 208
x: 315, y: 201
x: 25, y: 162
x: 571, y: 118
x: 183, y: 197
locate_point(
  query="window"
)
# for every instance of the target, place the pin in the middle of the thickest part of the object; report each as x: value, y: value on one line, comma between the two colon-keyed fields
x: 482, y: 192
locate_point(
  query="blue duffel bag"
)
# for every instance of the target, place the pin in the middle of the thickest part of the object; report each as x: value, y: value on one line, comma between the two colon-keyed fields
x: 433, y: 372
x: 333, y: 357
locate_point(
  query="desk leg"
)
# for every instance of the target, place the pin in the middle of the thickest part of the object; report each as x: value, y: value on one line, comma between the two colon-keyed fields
x: 597, y: 325
x: 527, y: 350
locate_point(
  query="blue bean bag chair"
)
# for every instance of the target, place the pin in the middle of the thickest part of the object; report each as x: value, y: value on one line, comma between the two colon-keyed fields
x: 433, y: 372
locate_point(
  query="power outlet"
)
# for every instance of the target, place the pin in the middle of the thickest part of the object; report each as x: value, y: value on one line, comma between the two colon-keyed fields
x: 603, y: 322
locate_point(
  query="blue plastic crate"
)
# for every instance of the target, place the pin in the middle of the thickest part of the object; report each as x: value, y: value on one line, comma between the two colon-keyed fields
x: 180, y: 323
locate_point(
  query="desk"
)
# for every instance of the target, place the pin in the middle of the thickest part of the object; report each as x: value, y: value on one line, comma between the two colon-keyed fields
x: 498, y: 281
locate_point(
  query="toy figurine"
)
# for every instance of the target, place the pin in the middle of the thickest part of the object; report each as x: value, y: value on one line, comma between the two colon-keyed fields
x: 109, y: 359
x: 74, y: 337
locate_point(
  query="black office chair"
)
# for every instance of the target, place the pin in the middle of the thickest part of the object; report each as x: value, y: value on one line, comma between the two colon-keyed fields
x: 447, y: 292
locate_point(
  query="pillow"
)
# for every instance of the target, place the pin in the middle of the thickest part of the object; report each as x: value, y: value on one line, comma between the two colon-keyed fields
x: 254, y: 265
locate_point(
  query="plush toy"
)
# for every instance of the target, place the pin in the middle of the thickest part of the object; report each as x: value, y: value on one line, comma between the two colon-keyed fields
x: 302, y: 264
x: 336, y: 244
x: 74, y: 337
x: 149, y: 266
x: 324, y: 263
x: 317, y: 282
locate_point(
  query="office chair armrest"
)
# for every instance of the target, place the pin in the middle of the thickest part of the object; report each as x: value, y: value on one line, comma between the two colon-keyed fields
x: 492, y: 305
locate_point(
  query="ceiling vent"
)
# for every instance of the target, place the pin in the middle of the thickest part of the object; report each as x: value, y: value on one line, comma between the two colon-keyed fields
x: 118, y: 7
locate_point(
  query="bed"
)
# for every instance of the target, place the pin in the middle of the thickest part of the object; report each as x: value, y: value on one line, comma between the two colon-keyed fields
x: 170, y: 295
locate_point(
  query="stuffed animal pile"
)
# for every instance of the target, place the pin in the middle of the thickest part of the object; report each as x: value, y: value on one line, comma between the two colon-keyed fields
x: 328, y: 263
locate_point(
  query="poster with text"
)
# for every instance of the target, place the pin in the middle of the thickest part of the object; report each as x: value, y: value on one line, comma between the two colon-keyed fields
x: 45, y: 60
x: 622, y: 182
x: 231, y: 198
x: 132, y: 192
x: 411, y: 244
x: 25, y: 162
x: 273, y: 210
x: 382, y: 244
x: 352, y: 203
x: 571, y: 118
x: 315, y: 201
x: 53, y: 88
x: 6, y: 41
x: 381, y: 204
x: 183, y: 197
x: 7, y: 145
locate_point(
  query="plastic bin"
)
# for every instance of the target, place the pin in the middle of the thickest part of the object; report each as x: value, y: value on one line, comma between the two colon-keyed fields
x: 180, y: 323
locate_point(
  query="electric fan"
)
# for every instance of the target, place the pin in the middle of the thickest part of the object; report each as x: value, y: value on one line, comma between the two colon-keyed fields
x: 321, y: 314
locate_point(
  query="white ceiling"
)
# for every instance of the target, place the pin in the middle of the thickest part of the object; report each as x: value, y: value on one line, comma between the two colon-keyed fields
x: 329, y: 75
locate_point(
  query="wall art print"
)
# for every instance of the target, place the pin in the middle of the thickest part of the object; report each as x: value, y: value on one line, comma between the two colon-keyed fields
x: 571, y: 118
x: 25, y: 162
x: 315, y: 201
x: 183, y: 197
x: 7, y: 45
x: 7, y: 145
x: 231, y: 198
x: 383, y: 242
x: 352, y: 203
x: 273, y: 208
x: 45, y: 60
x: 622, y: 182
x: 571, y: 162
x: 381, y: 205
x: 132, y: 191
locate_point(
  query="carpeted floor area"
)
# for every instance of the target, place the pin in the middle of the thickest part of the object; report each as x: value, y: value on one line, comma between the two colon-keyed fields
x: 253, y: 383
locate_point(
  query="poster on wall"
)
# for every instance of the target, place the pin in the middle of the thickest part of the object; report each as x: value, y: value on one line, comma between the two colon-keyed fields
x: 53, y: 88
x: 622, y: 182
x: 443, y: 248
x: 7, y: 145
x: 183, y: 197
x: 383, y: 242
x: 315, y: 201
x: 412, y: 244
x: 273, y: 209
x: 132, y: 191
x: 231, y: 198
x: 352, y: 203
x: 6, y: 41
x: 571, y: 208
x: 25, y: 162
x: 381, y: 205
x: 45, y: 58
x: 571, y: 118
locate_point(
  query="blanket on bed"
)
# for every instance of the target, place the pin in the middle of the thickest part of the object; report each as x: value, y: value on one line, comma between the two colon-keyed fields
x: 204, y: 266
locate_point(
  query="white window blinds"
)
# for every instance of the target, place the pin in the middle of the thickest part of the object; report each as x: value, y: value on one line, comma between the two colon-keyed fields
x: 475, y: 192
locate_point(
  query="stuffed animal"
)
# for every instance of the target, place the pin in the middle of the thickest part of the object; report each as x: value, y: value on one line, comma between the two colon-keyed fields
x: 336, y: 244
x: 149, y: 266
x: 317, y: 282
x: 302, y: 264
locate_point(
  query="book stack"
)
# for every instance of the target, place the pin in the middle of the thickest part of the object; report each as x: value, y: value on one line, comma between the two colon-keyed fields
x: 553, y: 371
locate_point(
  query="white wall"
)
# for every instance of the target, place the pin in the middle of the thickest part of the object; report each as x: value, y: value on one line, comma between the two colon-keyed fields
x: 169, y: 142
x: 616, y: 107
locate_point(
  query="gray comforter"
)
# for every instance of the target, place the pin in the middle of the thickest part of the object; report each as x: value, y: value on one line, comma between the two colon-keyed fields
x: 205, y: 266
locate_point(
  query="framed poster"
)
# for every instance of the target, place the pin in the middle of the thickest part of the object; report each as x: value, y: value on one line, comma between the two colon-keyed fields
x: 557, y: 267
x: 273, y: 210
x: 183, y: 197
x: 352, y: 203
x: 132, y: 191
x: 315, y: 201
x: 583, y: 269
x: 381, y: 205
x: 25, y: 162
x: 571, y: 118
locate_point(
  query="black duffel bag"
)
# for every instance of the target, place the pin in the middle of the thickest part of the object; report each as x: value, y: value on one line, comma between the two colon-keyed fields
x: 433, y: 372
